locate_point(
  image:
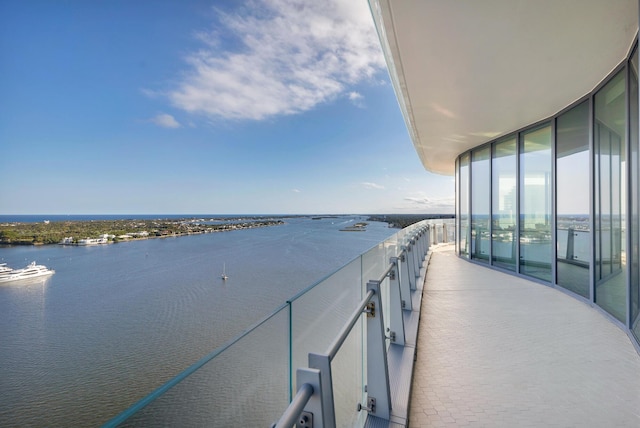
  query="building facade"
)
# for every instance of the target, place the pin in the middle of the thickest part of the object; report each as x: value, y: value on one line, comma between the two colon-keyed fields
x: 557, y: 201
x: 534, y: 107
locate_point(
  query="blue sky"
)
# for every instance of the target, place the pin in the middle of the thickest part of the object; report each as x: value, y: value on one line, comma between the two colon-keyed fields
x: 128, y: 107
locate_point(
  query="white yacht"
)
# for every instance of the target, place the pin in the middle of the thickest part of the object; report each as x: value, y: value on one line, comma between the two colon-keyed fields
x: 31, y: 271
x: 103, y: 239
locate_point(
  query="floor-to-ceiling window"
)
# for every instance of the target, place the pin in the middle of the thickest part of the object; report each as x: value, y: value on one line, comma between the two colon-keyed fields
x: 573, y: 249
x: 480, y: 203
x: 560, y: 201
x: 535, y: 203
x: 609, y: 161
x: 457, y: 178
x: 463, y: 201
x: 504, y: 203
x: 635, y: 196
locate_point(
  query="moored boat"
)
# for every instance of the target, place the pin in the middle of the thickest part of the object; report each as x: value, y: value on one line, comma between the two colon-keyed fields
x: 103, y: 239
x: 32, y: 271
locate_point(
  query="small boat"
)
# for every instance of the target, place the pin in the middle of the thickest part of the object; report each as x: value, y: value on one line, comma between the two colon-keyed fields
x: 30, y: 272
x: 224, y: 274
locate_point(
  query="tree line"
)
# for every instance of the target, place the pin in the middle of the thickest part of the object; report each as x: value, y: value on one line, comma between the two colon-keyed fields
x: 55, y: 232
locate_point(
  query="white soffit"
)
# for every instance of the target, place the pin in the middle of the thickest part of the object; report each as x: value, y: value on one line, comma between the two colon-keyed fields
x: 467, y: 71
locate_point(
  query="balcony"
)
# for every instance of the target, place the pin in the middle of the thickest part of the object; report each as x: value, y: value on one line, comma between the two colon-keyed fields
x: 492, y: 349
x: 499, y: 350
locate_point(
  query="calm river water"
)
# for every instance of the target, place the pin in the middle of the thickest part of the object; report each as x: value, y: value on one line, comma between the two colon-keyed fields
x: 116, y: 321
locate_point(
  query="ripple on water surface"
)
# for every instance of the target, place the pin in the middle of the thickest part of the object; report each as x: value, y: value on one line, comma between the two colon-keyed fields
x: 117, y: 321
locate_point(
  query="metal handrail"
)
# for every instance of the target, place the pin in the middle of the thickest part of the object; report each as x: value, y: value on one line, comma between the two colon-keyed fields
x: 295, y: 408
x: 342, y: 336
x: 321, y: 363
x: 314, y: 382
x: 386, y: 272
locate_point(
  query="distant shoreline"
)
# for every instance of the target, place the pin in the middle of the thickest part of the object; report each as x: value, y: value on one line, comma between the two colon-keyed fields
x: 101, y: 232
x: 70, y: 230
x: 401, y: 221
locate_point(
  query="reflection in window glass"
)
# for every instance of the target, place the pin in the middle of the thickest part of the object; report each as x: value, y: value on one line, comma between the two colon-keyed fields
x: 504, y: 204
x: 535, y: 203
x: 609, y: 146
x: 464, y: 206
x: 480, y: 200
x: 635, y: 207
x: 572, y: 221
x: 457, y: 243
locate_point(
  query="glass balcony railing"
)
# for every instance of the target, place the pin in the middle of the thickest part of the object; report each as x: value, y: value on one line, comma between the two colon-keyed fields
x: 251, y: 380
x: 574, y: 246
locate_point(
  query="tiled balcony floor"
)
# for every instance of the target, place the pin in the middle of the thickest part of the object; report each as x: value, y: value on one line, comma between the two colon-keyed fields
x: 495, y: 350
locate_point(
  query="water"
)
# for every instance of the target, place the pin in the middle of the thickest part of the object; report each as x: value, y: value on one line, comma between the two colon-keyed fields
x: 117, y: 321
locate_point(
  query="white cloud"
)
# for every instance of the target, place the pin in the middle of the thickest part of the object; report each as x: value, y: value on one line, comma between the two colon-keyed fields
x: 150, y: 93
x: 356, y: 99
x: 295, y: 190
x: 165, y: 120
x: 369, y: 185
x: 432, y: 205
x: 292, y: 56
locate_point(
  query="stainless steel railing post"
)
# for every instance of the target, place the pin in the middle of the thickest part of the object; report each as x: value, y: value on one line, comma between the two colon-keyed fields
x: 405, y: 284
x: 422, y: 241
x: 416, y: 263
x: 411, y: 271
x: 378, y: 390
x: 418, y: 246
x: 396, y: 320
x: 323, y: 364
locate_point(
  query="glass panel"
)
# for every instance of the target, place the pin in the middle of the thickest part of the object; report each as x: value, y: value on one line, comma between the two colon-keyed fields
x: 464, y: 206
x: 248, y: 382
x: 504, y: 204
x: 347, y: 373
x: 457, y: 242
x: 480, y: 200
x: 447, y: 229
x: 450, y: 230
x: 573, y: 222
x: 635, y: 206
x: 317, y: 317
x: 374, y: 263
x: 609, y: 132
x: 535, y: 203
x: 251, y: 379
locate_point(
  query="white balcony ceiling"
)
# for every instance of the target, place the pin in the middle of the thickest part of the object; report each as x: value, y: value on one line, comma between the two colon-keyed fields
x: 467, y: 71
